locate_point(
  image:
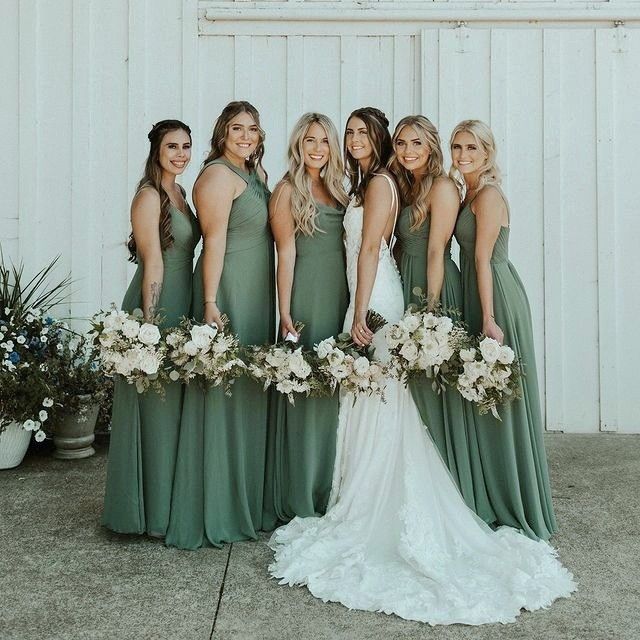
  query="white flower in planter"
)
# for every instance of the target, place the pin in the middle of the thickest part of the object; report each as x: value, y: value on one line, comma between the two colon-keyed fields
x: 29, y: 425
x: 47, y: 402
x: 43, y: 415
x: 40, y: 436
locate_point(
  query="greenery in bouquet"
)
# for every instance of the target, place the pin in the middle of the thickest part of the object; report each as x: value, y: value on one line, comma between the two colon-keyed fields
x: 130, y: 347
x: 344, y: 364
x: 202, y: 352
x: 287, y: 367
x: 29, y: 340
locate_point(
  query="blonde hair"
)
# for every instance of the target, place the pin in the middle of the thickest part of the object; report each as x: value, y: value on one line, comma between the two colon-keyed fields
x: 416, y: 191
x: 489, y: 172
x: 303, y: 205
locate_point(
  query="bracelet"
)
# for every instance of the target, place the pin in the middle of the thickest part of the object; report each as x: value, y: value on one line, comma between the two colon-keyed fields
x: 210, y: 302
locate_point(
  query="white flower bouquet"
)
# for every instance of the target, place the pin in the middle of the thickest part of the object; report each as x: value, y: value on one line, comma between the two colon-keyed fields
x: 354, y: 369
x: 131, y: 348
x: 286, y: 367
x: 202, y: 352
x: 427, y: 343
x: 490, y: 375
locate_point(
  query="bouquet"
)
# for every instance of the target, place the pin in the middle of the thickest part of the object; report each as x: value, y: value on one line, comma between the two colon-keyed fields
x: 490, y: 375
x: 353, y: 368
x: 130, y: 347
x: 287, y: 368
x: 427, y: 342
x: 201, y: 351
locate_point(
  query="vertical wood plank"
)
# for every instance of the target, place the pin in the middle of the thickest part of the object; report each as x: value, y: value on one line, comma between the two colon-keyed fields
x: 190, y: 84
x: 295, y: 80
x: 607, y: 219
x: 429, y: 74
x: 349, y: 96
x: 553, y: 233
x: 243, y: 89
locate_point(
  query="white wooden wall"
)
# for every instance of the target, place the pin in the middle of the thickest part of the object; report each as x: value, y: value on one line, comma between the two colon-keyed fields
x: 557, y: 81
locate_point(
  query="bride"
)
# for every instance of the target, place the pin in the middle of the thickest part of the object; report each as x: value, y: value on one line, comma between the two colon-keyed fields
x: 397, y: 536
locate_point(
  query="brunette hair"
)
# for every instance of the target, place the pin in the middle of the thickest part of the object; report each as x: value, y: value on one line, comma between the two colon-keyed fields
x: 152, y: 177
x: 378, y: 132
x: 220, y: 133
x: 415, y: 192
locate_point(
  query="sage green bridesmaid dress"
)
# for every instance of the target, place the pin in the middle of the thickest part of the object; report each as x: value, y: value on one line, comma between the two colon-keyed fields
x: 219, y: 479
x: 511, y: 452
x: 448, y: 417
x: 302, y: 438
x: 145, y: 428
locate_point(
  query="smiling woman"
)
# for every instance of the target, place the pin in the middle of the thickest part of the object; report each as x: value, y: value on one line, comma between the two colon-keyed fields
x: 219, y: 478
x: 144, y: 428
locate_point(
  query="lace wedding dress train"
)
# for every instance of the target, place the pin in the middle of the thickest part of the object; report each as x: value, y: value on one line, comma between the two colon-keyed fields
x: 397, y: 536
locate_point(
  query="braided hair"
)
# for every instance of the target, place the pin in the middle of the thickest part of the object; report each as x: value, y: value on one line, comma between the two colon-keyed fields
x: 152, y: 177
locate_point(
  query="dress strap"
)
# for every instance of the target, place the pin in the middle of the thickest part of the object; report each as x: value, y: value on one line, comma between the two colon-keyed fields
x: 239, y: 172
x: 394, y: 206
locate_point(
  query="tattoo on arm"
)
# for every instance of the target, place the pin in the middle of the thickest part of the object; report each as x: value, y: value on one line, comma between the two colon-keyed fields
x: 156, y: 289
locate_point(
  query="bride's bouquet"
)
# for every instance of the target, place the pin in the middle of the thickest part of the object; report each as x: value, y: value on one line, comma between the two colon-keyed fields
x: 130, y: 347
x: 287, y: 368
x: 352, y: 368
x: 427, y: 343
x: 489, y: 376
x: 202, y: 352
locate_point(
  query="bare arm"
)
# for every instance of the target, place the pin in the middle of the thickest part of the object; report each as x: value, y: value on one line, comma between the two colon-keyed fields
x: 145, y: 220
x: 377, y: 219
x: 283, y: 228
x: 213, y: 195
x: 490, y: 211
x: 443, y: 215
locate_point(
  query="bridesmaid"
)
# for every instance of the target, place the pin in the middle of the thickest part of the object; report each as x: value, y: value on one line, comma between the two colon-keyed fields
x: 219, y: 480
x: 423, y: 251
x: 145, y: 428
x: 306, y: 212
x: 495, y: 304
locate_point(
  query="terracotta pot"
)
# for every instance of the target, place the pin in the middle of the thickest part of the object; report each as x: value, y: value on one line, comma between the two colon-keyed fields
x: 74, y: 435
x: 14, y: 442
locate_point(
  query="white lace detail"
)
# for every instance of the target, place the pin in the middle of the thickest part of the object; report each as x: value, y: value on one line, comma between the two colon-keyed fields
x: 397, y: 536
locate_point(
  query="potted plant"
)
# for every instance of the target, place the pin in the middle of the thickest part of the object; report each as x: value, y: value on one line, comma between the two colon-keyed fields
x: 82, y: 391
x: 28, y: 340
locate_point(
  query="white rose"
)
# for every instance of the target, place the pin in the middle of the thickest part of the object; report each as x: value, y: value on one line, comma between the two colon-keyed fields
x: 361, y: 365
x: 409, y: 351
x: 339, y: 371
x: 130, y: 328
x: 202, y: 335
x: 467, y: 355
x: 490, y: 350
x: 411, y: 322
x: 190, y: 348
x: 324, y: 348
x: 429, y: 320
x: 148, y: 362
x: 475, y: 370
x: 172, y: 339
x: 396, y: 335
x: 506, y: 355
x: 149, y: 334
x: 276, y: 358
x: 286, y: 386
x: 298, y: 365
x: 445, y: 324
x: 336, y: 357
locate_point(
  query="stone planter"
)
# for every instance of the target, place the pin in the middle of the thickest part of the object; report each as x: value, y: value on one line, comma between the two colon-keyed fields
x: 14, y: 442
x: 74, y: 435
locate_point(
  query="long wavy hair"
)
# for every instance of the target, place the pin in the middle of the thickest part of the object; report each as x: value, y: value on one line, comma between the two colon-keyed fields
x: 221, y: 127
x: 152, y: 177
x: 378, y: 131
x: 489, y: 171
x: 303, y: 205
x: 416, y: 192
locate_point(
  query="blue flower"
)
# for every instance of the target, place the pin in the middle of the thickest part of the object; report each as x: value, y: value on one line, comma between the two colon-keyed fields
x: 14, y: 357
x: 49, y: 320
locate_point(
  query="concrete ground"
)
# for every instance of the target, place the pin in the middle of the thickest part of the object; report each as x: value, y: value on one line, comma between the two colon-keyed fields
x: 64, y: 577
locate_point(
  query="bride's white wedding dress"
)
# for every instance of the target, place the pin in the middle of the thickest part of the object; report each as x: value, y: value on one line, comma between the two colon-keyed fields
x: 397, y: 536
